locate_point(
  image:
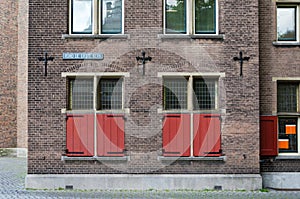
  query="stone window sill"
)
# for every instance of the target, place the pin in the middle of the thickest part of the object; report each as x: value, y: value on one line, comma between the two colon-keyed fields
x: 285, y: 44
x: 285, y: 157
x: 116, y: 36
x: 171, y: 36
x: 221, y: 158
x: 67, y: 158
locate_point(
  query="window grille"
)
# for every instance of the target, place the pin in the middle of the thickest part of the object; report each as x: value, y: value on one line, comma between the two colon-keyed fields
x: 110, y: 94
x: 81, y: 94
x: 175, y: 94
x: 287, y: 97
x: 205, y: 94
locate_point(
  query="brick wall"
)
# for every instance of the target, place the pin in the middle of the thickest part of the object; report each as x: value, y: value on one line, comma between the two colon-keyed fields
x: 8, y: 73
x: 239, y: 96
x: 275, y: 61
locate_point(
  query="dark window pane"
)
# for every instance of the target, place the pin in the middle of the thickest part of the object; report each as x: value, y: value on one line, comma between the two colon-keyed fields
x: 82, y: 16
x: 175, y: 93
x: 111, y: 16
x: 205, y: 16
x: 288, y: 135
x: 175, y: 15
x: 287, y: 97
x: 286, y: 24
x: 205, y: 94
x: 81, y: 94
x: 110, y: 94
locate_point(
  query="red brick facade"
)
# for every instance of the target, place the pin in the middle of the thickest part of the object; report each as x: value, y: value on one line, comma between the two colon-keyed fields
x: 8, y: 65
x: 277, y: 62
x: 238, y: 96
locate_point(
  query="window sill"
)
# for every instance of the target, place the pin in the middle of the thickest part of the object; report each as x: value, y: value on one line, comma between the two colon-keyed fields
x: 221, y: 158
x: 277, y: 43
x: 288, y: 114
x: 124, y: 158
x: 171, y: 36
x: 287, y: 157
x: 114, y: 36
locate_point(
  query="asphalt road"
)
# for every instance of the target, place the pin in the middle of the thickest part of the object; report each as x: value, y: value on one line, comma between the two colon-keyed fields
x: 12, y: 181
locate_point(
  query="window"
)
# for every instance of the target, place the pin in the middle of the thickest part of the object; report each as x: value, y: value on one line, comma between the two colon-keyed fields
x: 110, y: 94
x: 287, y: 22
x: 95, y: 121
x: 287, y: 100
x: 191, y: 17
x: 96, y: 17
x: 176, y: 93
x: 205, y: 94
x: 80, y: 94
x: 288, y: 117
x: 191, y: 125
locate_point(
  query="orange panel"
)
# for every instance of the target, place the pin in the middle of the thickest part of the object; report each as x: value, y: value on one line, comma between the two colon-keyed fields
x: 290, y: 129
x: 283, y: 144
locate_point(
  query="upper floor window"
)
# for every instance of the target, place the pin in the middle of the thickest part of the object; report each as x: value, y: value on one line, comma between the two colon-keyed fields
x: 191, y: 17
x: 96, y: 17
x: 287, y: 22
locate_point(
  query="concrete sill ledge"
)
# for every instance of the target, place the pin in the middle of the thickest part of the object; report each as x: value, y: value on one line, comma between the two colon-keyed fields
x: 123, y: 36
x: 275, y: 43
x: 170, y: 36
x: 221, y: 158
x: 294, y: 157
x: 66, y: 158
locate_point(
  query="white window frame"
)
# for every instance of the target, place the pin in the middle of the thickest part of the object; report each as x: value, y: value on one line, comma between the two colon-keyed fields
x: 291, y: 5
x: 287, y: 115
x: 96, y: 19
x: 190, y: 19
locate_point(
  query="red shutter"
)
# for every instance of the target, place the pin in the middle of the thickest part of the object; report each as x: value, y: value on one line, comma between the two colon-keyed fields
x: 207, y: 135
x: 268, y: 136
x: 80, y: 135
x: 176, y: 135
x: 110, y: 134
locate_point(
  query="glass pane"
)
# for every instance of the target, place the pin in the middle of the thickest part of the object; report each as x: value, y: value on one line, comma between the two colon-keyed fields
x: 111, y: 16
x: 288, y: 135
x: 110, y: 93
x: 175, y: 15
x: 175, y: 94
x: 287, y: 97
x: 205, y: 94
x: 205, y: 19
x: 82, y: 16
x: 81, y: 94
x: 286, y: 24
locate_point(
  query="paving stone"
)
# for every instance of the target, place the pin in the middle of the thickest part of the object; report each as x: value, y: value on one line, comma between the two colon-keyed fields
x: 13, y: 172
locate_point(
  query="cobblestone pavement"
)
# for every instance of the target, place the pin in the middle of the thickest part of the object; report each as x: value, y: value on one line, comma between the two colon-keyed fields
x: 13, y: 172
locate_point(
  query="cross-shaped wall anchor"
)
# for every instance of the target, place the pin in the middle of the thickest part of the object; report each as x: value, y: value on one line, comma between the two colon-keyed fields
x: 143, y: 59
x: 241, y: 59
x: 45, y: 59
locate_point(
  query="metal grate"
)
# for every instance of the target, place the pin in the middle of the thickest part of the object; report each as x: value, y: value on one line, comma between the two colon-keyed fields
x: 287, y: 97
x: 175, y: 94
x: 81, y: 94
x: 205, y: 94
x: 110, y: 94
